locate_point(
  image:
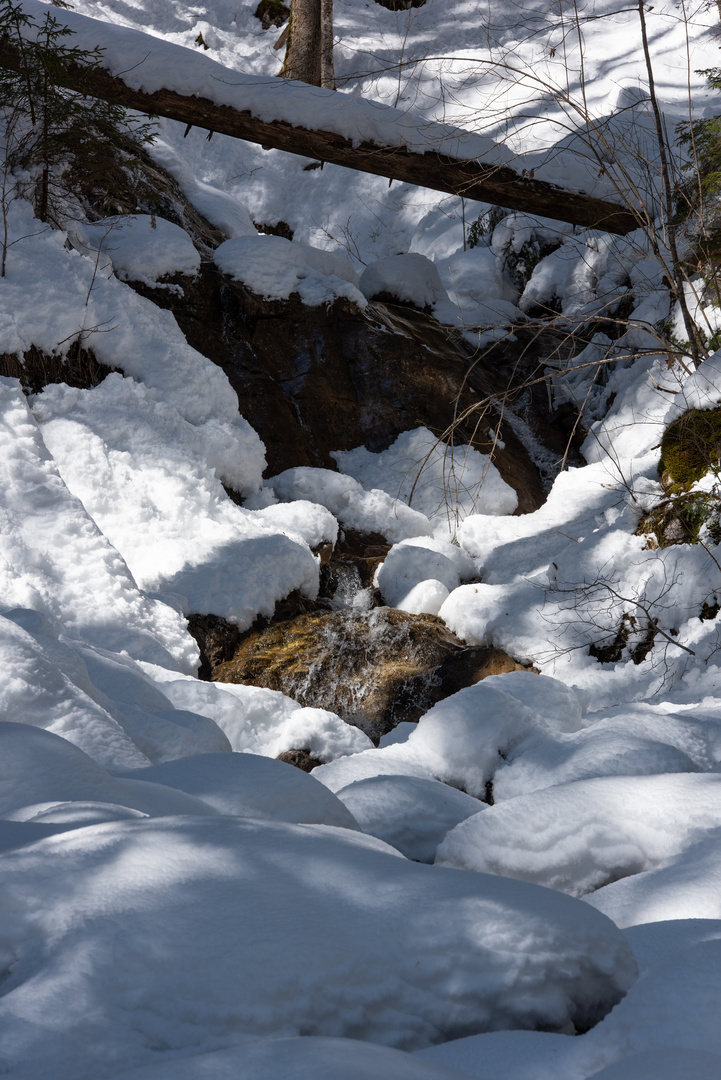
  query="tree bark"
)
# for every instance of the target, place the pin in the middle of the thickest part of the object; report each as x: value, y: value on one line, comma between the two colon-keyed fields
x: 327, y: 76
x: 303, y: 47
x: 471, y: 179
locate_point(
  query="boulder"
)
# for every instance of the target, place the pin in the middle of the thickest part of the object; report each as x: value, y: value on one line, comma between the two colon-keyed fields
x: 374, y: 668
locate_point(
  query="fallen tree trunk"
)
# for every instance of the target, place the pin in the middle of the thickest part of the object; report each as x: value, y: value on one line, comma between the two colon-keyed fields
x: 472, y: 179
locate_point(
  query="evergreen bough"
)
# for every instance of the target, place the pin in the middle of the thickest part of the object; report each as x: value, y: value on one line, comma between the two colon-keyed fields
x: 56, y: 139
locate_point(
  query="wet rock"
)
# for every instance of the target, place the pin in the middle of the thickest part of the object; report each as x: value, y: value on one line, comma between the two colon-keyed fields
x: 217, y: 640
x: 300, y: 758
x: 374, y: 668
x: 314, y: 380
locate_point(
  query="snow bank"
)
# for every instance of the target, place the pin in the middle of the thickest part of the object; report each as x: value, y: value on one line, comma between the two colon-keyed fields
x: 54, y: 559
x: 378, y: 947
x: 38, y: 767
x: 218, y: 206
x: 632, y: 741
x: 146, y: 475
x: 464, y: 739
x: 408, y: 812
x: 684, y: 886
x: 36, y: 692
x: 70, y: 299
x: 298, y: 1059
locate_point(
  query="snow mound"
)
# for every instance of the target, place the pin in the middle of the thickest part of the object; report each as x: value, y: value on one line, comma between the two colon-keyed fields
x: 464, y: 739
x: 408, y: 812
x: 667, y: 1064
x: 355, y: 507
x: 219, y: 207
x: 636, y: 741
x: 478, y: 294
x: 274, y: 268
x: 39, y: 767
x: 257, y: 937
x: 418, y: 575
x: 685, y: 886
x: 309, y: 521
x: 142, y: 247
x: 411, y: 278
x: 55, y: 560
x: 578, y: 837
x: 37, y: 692
x: 446, y: 483
x: 152, y: 482
x: 248, y: 785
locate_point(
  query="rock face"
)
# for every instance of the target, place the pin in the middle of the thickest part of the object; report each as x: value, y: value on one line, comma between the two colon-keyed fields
x: 313, y: 380
x: 375, y: 668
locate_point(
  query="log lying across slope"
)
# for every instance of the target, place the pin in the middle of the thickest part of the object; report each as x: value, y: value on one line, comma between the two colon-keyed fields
x: 156, y: 77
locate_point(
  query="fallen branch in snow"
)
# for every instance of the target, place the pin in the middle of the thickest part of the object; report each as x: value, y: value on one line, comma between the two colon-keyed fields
x: 473, y: 179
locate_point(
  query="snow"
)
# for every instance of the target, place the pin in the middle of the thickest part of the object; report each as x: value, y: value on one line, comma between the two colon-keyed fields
x: 260, y: 721
x: 149, y: 64
x: 464, y: 739
x: 410, y: 279
x: 368, y: 510
x: 296, y: 1059
x: 248, y: 785
x: 139, y: 485
x: 310, y: 521
x: 329, y: 928
x: 408, y: 812
x: 141, y: 247
x: 274, y: 268
x: 578, y: 837
x: 39, y: 767
x: 407, y: 567
x: 176, y: 902
x: 444, y: 482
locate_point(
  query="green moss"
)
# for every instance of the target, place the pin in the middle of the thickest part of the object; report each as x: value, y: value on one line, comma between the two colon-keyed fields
x: 684, y: 519
x: 691, y: 446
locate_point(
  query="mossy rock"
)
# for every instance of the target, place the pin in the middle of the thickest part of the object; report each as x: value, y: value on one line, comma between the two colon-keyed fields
x: 691, y: 445
x: 682, y: 520
x: 272, y: 13
x: 374, y: 668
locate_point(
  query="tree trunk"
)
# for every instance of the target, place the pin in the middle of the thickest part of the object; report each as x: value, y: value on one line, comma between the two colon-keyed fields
x: 303, y: 48
x: 327, y: 76
x: 469, y: 179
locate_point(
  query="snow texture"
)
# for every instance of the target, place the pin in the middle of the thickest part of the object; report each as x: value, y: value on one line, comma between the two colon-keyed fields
x: 328, y: 927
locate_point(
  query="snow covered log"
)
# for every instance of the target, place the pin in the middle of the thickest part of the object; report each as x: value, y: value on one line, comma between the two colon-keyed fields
x: 153, y: 76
